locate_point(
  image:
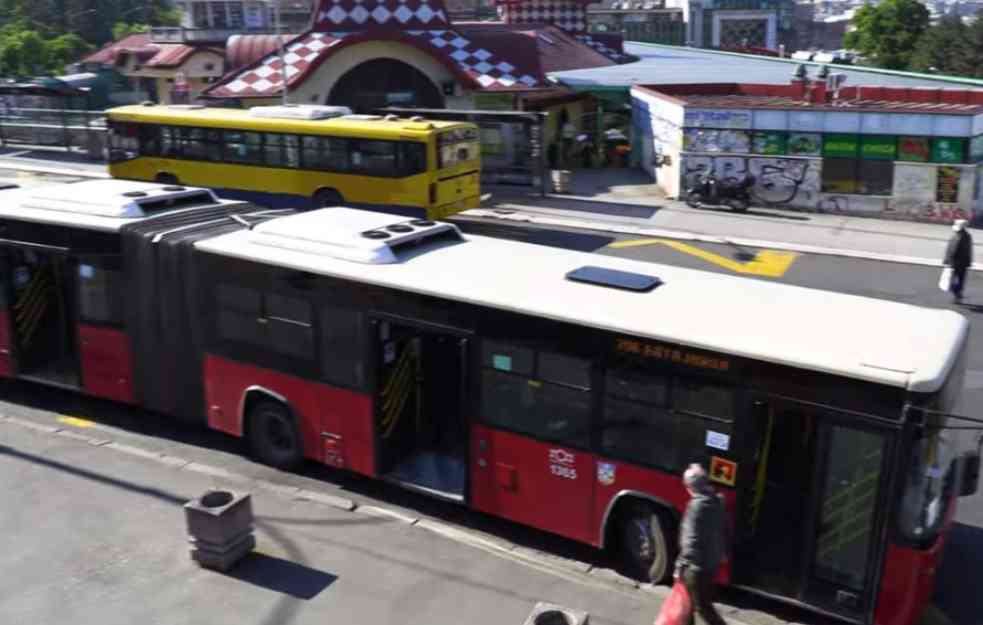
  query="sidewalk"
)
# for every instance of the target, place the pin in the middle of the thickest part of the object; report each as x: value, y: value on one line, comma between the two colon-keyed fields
x: 96, y: 534
x: 623, y: 201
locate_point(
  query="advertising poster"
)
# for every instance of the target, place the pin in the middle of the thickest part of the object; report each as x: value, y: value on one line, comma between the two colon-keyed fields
x: 804, y: 144
x: 948, y: 150
x: 947, y: 186
x: 976, y: 149
x: 770, y: 143
x: 878, y: 147
x: 841, y: 146
x: 914, y: 149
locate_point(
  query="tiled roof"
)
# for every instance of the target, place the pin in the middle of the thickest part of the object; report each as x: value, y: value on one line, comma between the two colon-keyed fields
x: 158, y: 55
x: 264, y: 78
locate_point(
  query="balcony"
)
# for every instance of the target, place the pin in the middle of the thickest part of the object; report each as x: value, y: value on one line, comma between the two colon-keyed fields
x: 177, y: 34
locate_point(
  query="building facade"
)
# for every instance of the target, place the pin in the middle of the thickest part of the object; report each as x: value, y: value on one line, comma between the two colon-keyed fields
x: 909, y: 153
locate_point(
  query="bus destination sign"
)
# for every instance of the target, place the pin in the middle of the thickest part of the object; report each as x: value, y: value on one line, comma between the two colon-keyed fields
x: 672, y: 354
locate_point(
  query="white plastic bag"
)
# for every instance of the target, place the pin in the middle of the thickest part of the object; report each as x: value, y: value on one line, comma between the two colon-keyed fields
x: 945, y: 279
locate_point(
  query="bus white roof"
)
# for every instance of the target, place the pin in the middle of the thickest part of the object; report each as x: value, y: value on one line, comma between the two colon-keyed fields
x: 869, y: 339
x: 93, y: 204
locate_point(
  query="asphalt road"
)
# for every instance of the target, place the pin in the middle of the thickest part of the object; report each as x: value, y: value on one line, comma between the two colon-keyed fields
x: 957, y: 592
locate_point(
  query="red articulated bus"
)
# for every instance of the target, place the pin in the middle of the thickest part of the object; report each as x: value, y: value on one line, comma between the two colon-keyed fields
x: 558, y: 389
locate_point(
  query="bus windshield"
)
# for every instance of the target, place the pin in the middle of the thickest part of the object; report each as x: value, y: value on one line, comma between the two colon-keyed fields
x: 457, y: 146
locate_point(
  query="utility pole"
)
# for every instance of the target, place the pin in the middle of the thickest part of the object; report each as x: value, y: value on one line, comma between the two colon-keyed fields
x: 283, y: 64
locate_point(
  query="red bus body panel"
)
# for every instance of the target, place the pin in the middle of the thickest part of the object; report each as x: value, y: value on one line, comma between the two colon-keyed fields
x: 107, y: 363
x: 345, y: 416
x: 8, y: 367
x: 907, y: 583
x: 543, y: 485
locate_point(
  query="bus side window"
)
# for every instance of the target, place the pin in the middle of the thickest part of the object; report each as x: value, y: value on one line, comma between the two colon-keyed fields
x: 149, y: 140
x: 637, y: 424
x: 244, y: 147
x: 413, y: 158
x: 342, y: 346
x: 324, y: 153
x: 374, y: 158
x: 281, y: 150
x: 536, y: 393
x: 169, y: 142
x: 100, y: 290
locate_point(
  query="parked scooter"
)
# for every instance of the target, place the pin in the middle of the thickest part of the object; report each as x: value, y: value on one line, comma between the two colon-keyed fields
x: 732, y: 192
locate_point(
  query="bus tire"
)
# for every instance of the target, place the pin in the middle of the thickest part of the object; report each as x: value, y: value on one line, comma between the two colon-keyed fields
x: 327, y: 197
x: 165, y: 178
x: 644, y: 548
x: 274, y: 437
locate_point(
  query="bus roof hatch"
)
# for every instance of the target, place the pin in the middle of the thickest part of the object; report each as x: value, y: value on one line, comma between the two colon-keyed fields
x: 350, y: 234
x: 122, y: 199
x: 300, y: 111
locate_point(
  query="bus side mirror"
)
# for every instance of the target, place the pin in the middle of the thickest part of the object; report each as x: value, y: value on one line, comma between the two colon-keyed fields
x: 971, y: 474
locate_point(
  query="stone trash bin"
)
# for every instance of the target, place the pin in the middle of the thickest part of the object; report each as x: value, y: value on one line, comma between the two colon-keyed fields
x: 561, y: 180
x: 551, y: 614
x: 220, y: 528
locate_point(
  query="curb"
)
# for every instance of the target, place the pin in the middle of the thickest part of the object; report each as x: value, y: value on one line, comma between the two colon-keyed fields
x: 684, y: 235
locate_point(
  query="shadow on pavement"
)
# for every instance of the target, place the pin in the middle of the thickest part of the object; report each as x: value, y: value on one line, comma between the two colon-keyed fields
x: 54, y: 155
x: 595, y: 207
x: 282, y: 576
x: 957, y: 587
x: 756, y: 211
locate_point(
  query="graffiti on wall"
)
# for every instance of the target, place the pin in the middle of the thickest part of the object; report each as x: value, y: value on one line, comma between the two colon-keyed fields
x: 792, y: 182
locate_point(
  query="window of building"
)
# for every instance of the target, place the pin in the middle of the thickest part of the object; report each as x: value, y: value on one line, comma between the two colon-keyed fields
x: 219, y: 15
x: 199, y: 14
x: 100, y: 290
x: 839, y: 175
x: 235, y: 14
x: 876, y: 178
x: 543, y: 394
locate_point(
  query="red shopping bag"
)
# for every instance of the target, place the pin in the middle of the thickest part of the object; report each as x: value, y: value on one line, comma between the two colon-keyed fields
x: 677, y: 608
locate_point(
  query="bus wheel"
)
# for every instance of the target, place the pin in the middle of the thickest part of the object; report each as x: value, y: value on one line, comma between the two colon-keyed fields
x: 274, y: 437
x: 328, y: 197
x: 166, y: 178
x: 644, y: 550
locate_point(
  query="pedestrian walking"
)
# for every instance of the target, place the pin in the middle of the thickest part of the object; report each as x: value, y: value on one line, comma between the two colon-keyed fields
x: 701, y: 544
x: 959, y: 256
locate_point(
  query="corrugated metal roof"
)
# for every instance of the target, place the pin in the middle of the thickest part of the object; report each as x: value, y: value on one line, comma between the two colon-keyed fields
x: 660, y: 64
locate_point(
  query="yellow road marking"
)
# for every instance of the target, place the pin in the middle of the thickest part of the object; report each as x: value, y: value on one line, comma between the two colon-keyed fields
x: 79, y: 423
x: 768, y: 263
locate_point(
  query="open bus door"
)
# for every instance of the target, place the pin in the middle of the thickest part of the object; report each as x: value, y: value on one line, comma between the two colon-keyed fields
x: 814, y: 507
x: 38, y: 333
x: 8, y: 362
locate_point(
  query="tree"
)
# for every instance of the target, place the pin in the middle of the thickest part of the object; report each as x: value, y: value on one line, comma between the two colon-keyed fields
x: 64, y: 50
x: 973, y: 48
x: 10, y: 59
x: 33, y: 53
x: 885, y: 34
x: 944, y: 48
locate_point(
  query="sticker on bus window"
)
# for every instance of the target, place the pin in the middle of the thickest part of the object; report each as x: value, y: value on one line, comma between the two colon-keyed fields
x: 501, y: 362
x: 87, y: 271
x: 718, y: 440
x: 723, y: 471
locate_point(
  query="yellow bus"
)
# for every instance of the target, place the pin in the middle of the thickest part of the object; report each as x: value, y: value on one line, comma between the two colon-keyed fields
x: 301, y: 155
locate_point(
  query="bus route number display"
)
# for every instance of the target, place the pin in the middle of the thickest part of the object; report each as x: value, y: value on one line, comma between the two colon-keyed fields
x: 671, y: 354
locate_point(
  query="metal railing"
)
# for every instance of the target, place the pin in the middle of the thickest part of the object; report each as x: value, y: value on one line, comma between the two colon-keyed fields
x: 179, y: 34
x: 64, y: 128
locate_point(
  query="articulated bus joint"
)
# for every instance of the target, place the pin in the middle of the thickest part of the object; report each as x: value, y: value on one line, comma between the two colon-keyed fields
x: 662, y: 503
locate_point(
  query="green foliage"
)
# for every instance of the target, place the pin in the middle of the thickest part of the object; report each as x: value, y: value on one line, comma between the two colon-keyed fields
x: 943, y: 48
x: 124, y: 29
x: 66, y: 49
x: 886, y: 34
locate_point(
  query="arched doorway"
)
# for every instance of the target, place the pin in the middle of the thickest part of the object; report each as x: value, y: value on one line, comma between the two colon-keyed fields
x: 385, y: 82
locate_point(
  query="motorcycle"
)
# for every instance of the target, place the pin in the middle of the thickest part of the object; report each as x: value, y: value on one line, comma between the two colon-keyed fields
x: 734, y: 193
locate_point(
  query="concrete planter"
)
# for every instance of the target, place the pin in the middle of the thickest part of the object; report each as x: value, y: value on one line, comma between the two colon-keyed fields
x: 550, y: 614
x: 220, y: 528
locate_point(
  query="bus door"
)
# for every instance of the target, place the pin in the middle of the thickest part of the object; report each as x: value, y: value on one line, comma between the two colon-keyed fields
x: 40, y: 287
x: 420, y: 426
x: 8, y: 362
x: 814, y: 507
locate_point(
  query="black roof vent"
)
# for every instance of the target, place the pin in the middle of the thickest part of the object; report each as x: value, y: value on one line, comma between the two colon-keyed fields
x: 399, y: 228
x: 614, y: 278
x: 375, y: 234
x: 135, y: 194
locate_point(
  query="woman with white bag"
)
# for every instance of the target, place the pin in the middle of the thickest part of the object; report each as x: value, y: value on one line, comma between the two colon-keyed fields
x: 958, y: 258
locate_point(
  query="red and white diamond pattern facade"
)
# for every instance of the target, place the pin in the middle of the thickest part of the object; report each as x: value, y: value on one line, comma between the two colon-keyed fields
x: 571, y: 16
x: 358, y: 15
x: 481, y: 61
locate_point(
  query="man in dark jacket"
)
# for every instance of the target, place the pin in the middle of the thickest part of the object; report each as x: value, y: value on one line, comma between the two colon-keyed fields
x: 701, y: 544
x: 959, y: 256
